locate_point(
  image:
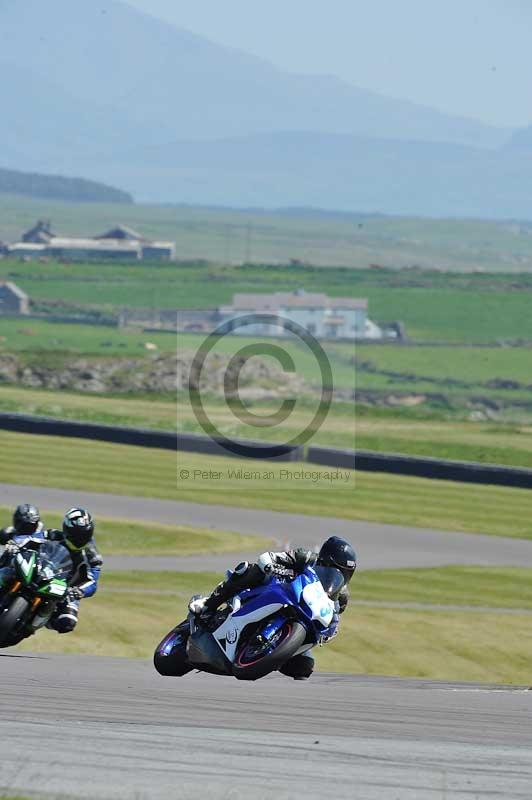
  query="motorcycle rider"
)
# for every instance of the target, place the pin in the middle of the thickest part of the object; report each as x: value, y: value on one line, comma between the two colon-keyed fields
x: 27, y: 530
x: 26, y: 523
x: 334, y: 552
x: 77, y: 535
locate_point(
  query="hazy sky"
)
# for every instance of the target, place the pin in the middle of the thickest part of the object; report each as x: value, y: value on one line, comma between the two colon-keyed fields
x: 471, y: 57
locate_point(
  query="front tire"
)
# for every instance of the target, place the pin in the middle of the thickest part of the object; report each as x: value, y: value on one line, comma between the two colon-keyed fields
x: 10, y: 620
x: 170, y: 657
x: 250, y: 664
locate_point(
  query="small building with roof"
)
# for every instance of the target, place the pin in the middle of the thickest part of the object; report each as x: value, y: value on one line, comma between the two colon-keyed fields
x: 323, y: 316
x: 341, y: 318
x: 13, y: 300
x: 40, y: 233
x: 122, y: 232
x: 120, y: 243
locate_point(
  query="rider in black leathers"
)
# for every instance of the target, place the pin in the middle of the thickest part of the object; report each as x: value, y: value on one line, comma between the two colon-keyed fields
x: 77, y: 535
x: 286, y: 565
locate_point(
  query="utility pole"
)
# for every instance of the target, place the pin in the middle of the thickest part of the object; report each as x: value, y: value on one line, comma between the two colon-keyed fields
x: 248, y: 244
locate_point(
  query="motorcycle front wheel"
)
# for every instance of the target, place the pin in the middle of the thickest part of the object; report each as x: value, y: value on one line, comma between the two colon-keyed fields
x: 170, y: 657
x: 10, y: 620
x: 258, y: 657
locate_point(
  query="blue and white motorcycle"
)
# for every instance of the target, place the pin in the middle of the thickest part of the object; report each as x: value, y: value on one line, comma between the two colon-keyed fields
x: 259, y: 630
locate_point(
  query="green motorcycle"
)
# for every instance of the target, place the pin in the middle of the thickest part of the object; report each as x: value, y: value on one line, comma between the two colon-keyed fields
x: 37, y: 582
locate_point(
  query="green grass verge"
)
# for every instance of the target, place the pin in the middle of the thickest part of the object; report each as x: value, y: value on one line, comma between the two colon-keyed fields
x: 13, y: 797
x: 401, y: 431
x: 440, y: 645
x: 131, y: 613
x: 487, y: 587
x: 144, y: 472
x: 125, y: 537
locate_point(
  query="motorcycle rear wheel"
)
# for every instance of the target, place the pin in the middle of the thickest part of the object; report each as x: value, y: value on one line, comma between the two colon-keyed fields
x: 9, y: 620
x: 250, y: 665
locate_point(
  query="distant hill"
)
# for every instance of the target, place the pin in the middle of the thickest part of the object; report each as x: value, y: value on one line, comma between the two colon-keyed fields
x: 102, y: 90
x: 332, y: 171
x: 522, y: 140
x: 153, y: 82
x: 56, y: 187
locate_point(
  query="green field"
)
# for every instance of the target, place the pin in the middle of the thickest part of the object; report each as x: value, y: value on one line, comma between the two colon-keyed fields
x: 143, y: 472
x: 40, y: 339
x: 469, y: 638
x: 422, y: 399
x: 469, y: 365
x: 450, y: 376
x: 454, y: 381
x: 433, y: 306
x: 344, y: 239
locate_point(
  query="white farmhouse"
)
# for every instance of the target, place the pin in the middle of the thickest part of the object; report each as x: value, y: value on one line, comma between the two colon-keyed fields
x: 323, y: 316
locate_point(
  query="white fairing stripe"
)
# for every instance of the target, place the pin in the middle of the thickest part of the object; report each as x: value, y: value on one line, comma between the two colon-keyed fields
x: 235, y: 625
x: 319, y: 602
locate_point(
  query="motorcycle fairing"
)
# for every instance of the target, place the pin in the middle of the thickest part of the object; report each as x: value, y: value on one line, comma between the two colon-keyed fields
x: 26, y: 566
x: 305, y: 593
x: 204, y: 652
x: 228, y: 634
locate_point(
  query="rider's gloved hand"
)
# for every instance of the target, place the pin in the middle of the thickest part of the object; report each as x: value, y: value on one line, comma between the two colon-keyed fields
x: 303, y: 559
x: 74, y: 593
x: 343, y: 599
x: 197, y: 606
x: 331, y: 631
x: 12, y: 548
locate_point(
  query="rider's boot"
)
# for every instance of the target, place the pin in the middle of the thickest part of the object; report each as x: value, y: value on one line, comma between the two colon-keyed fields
x: 300, y: 668
x: 244, y: 576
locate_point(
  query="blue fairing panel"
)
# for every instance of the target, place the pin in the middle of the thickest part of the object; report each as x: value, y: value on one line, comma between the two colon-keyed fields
x: 273, y: 593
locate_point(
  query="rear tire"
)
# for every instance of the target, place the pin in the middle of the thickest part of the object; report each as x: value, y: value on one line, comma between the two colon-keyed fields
x: 9, y: 621
x: 248, y: 667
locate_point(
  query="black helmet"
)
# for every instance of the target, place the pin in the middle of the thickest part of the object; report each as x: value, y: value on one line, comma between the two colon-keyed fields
x: 78, y: 528
x: 337, y: 552
x: 26, y: 519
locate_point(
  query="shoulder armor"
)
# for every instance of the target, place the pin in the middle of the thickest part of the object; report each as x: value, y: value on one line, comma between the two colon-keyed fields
x: 93, y: 555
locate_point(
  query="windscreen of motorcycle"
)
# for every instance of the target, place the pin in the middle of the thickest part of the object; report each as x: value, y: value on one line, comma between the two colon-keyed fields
x: 55, y: 561
x: 331, y: 579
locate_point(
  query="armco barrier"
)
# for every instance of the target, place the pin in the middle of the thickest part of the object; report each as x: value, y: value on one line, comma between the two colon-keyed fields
x: 391, y: 463
x: 142, y: 437
x: 243, y: 448
x: 363, y: 460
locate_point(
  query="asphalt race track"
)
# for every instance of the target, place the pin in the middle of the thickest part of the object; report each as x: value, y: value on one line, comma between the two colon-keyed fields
x: 378, y: 545
x: 80, y: 728
x: 121, y: 731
